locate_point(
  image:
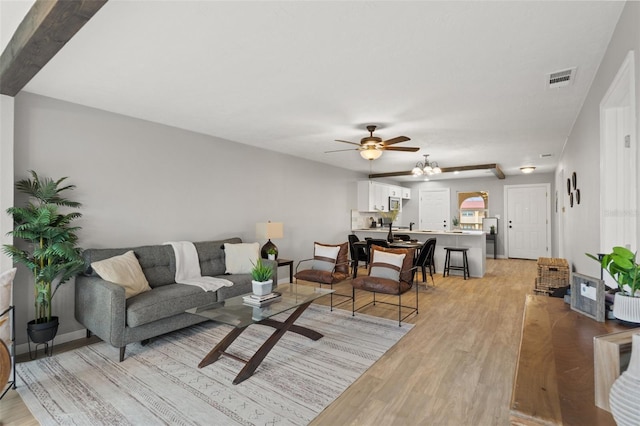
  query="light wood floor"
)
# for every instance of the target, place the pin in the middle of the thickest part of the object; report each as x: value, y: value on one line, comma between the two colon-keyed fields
x: 455, y: 367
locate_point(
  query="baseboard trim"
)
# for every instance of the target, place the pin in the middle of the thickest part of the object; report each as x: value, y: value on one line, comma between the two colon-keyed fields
x: 60, y: 338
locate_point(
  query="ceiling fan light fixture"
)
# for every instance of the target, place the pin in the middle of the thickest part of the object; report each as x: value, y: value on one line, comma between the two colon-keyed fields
x: 527, y: 169
x: 371, y: 153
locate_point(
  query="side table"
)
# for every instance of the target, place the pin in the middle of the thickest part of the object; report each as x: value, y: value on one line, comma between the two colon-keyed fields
x: 493, y: 237
x: 286, y: 262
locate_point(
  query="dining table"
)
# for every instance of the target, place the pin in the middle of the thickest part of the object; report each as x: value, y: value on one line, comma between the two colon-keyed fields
x: 417, y: 245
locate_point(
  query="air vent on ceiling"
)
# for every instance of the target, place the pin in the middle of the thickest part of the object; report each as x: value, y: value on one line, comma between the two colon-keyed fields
x: 561, y: 78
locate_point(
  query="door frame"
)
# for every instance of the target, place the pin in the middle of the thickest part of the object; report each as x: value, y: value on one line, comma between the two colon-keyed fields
x: 547, y: 188
x: 620, y: 95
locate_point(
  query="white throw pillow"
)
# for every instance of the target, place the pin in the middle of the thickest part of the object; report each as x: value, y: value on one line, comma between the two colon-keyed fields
x: 329, y: 252
x: 124, y: 270
x: 240, y: 258
x: 392, y: 271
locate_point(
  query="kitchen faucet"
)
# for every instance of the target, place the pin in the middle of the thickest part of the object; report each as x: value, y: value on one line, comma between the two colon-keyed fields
x: 411, y: 226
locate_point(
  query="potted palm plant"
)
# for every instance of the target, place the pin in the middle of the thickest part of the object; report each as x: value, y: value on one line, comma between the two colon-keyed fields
x: 621, y: 264
x: 51, y: 252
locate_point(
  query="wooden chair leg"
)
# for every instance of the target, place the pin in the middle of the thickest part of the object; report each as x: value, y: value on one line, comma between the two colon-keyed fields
x: 122, y: 353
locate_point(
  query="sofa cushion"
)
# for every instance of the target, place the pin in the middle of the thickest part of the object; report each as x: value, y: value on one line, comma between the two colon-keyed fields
x: 165, y: 301
x: 211, y: 256
x: 240, y: 258
x: 125, y: 271
x: 157, y: 262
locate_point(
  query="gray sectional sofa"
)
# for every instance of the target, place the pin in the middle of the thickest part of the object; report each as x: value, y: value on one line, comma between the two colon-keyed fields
x: 102, y: 308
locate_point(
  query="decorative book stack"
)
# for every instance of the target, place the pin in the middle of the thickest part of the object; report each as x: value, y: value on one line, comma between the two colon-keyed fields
x: 255, y: 300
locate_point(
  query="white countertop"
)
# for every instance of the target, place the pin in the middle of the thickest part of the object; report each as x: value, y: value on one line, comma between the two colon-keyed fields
x: 423, y: 232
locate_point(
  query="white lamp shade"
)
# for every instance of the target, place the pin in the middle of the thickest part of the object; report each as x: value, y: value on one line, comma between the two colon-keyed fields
x: 269, y: 230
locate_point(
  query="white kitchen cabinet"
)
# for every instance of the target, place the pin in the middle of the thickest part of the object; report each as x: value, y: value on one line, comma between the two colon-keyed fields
x: 395, y: 191
x: 406, y: 193
x: 373, y: 196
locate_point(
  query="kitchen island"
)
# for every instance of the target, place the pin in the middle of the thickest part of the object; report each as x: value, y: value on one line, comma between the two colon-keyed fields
x: 475, y: 241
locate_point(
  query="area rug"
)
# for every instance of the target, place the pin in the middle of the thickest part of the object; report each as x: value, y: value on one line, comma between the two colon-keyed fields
x: 160, y: 383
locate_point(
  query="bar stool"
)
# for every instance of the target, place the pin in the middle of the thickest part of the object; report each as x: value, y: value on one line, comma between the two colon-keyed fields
x: 447, y: 261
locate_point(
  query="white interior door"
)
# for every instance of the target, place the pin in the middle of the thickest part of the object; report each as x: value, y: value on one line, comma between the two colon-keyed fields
x: 434, y: 209
x: 527, y: 221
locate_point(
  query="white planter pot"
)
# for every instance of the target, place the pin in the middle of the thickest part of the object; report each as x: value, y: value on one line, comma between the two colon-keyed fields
x: 624, y: 397
x: 271, y: 256
x: 626, y: 308
x: 261, y: 288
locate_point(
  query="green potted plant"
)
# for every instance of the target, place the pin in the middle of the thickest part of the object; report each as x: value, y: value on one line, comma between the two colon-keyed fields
x: 621, y: 264
x: 51, y: 253
x: 492, y: 230
x: 272, y: 253
x: 261, y: 278
x: 455, y: 221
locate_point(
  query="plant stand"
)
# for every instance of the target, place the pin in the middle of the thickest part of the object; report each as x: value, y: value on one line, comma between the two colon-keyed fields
x: 42, y: 334
x: 11, y: 384
x: 47, y: 349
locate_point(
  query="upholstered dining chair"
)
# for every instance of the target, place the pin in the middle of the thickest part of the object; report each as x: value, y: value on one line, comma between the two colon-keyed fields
x: 391, y: 271
x: 329, y: 266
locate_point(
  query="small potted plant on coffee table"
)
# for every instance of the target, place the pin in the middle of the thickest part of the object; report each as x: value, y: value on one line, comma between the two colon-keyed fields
x: 261, y: 274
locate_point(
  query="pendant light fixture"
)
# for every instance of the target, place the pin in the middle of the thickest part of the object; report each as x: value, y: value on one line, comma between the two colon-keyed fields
x: 426, y: 168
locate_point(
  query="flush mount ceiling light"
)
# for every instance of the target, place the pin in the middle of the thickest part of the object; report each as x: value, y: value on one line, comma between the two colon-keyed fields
x: 426, y: 168
x: 527, y: 169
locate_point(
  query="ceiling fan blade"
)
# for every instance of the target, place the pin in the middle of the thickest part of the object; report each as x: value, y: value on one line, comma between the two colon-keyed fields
x: 340, y: 150
x: 352, y: 143
x: 397, y: 139
x: 401, y: 148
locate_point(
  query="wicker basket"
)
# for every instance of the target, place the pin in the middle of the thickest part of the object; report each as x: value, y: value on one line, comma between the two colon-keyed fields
x: 553, y: 276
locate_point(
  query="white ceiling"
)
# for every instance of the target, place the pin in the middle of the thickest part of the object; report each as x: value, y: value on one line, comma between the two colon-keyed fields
x: 464, y: 80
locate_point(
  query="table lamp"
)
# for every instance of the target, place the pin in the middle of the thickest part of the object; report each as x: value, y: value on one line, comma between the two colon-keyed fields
x: 269, y: 230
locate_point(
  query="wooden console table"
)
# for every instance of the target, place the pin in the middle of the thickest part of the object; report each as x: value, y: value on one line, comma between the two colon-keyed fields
x: 554, y: 380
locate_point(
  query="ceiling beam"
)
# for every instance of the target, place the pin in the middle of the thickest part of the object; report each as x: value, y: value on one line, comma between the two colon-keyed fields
x: 493, y: 167
x: 46, y: 28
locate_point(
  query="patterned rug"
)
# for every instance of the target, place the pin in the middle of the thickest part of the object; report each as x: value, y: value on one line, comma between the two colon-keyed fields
x: 160, y: 383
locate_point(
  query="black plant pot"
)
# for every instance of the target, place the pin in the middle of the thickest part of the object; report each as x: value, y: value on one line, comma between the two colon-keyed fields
x: 42, y: 332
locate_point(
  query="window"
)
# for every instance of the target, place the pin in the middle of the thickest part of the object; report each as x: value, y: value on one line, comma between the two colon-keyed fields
x: 473, y: 207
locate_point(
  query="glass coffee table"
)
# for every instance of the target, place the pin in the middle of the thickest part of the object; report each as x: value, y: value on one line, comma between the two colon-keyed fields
x: 233, y: 311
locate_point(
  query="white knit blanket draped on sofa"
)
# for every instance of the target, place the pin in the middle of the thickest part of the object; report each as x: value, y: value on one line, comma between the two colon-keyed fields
x: 188, y: 268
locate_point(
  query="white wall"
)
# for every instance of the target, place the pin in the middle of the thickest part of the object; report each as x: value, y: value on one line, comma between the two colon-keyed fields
x: 146, y: 183
x: 6, y: 174
x: 582, y: 223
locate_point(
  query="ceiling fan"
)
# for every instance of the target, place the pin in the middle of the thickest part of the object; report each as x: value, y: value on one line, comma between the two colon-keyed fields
x: 371, y: 147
